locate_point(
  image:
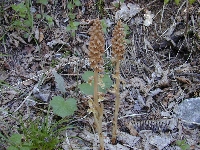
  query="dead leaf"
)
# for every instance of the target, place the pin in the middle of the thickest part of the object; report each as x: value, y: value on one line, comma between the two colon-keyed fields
x: 41, y: 36
x: 185, y: 68
x: 37, y: 33
x: 27, y: 82
x: 17, y: 37
x: 131, y: 128
x: 184, y: 80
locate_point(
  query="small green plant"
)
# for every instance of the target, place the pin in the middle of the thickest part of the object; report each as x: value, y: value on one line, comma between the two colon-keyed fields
x: 23, y: 19
x: 183, y: 144
x: 44, y: 134
x: 60, y: 105
x: 37, y: 134
x: 73, y: 25
x: 48, y: 18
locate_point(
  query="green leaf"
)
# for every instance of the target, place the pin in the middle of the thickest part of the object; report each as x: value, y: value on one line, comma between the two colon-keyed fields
x: 25, y: 147
x: 75, y: 23
x: 44, y: 2
x: 77, y: 2
x: 19, y: 8
x: 63, y: 108
x: 28, y: 23
x: 70, y: 6
x: 72, y: 16
x: 126, y: 29
x: 12, y: 148
x: 86, y: 88
x: 87, y: 75
x: 73, y: 33
x: 166, y: 1
x: 191, y: 1
x: 60, y: 82
x: 104, y: 25
x: 16, y: 139
x: 17, y: 23
x: 116, y: 5
x: 107, y: 81
x: 49, y: 18
x: 182, y: 144
x: 177, y: 2
x: 68, y: 28
x: 38, y: 16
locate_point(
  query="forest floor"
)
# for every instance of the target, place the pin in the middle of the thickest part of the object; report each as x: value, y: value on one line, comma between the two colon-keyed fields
x: 160, y: 69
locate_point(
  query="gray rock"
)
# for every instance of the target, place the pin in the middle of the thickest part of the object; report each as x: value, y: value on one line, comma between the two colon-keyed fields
x: 189, y: 111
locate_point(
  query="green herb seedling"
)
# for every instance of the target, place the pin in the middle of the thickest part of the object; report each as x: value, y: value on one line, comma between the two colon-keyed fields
x: 61, y: 106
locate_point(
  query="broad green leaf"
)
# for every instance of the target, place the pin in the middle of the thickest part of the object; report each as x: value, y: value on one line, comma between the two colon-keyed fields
x: 183, y: 144
x: 70, y: 6
x: 12, y: 148
x: 75, y: 23
x: 166, y: 1
x: 38, y: 16
x: 44, y: 2
x: 16, y: 139
x: 17, y: 23
x: 77, y: 2
x: 60, y: 83
x: 71, y: 16
x: 49, y: 18
x: 28, y: 23
x: 63, y: 107
x: 86, y: 88
x: 68, y: 28
x: 107, y: 81
x: 87, y: 75
x: 25, y: 148
x: 177, y: 2
x: 19, y: 8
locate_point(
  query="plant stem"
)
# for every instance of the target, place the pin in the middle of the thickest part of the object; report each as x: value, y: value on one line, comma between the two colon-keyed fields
x: 98, y: 114
x: 117, y: 102
x: 96, y: 88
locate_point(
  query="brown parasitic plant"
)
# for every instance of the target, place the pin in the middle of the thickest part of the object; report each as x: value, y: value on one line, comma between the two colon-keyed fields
x: 117, y: 53
x: 96, y: 50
